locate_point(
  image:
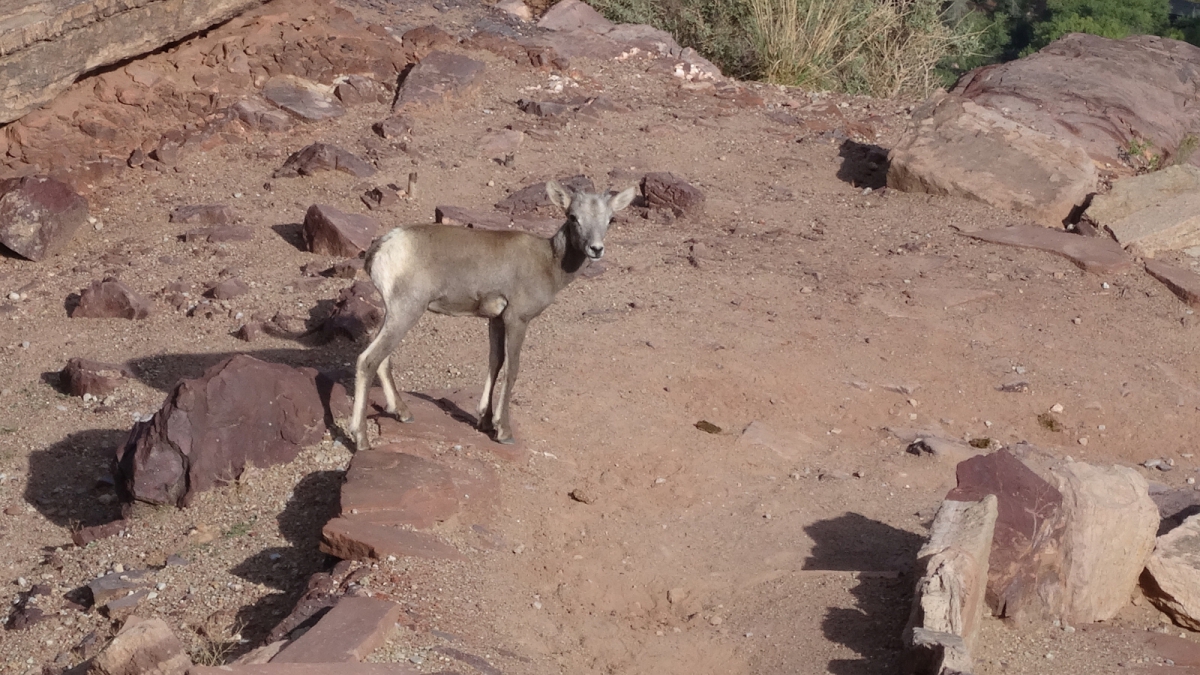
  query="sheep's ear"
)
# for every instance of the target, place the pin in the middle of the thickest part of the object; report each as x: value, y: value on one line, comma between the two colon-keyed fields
x: 559, y: 195
x: 623, y: 199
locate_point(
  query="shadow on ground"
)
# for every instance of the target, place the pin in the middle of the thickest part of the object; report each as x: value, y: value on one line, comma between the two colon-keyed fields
x: 287, y: 568
x: 863, y: 165
x: 68, y: 479
x: 853, y: 542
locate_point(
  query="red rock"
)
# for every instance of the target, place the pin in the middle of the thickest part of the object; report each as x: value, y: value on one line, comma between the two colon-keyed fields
x: 329, y: 231
x: 122, y: 607
x: 356, y: 90
x: 380, y: 197
x: 257, y: 114
x: 393, y: 127
x: 395, y: 488
x: 438, y: 75
x: 228, y: 289
x: 204, y: 214
x: 1025, y: 568
x: 116, y: 585
x: 357, y: 539
x: 242, y: 411
x: 350, y: 631
x: 358, y: 312
x: 82, y: 376
x: 543, y: 108
x: 345, y: 269
x: 39, y: 216
x: 1094, y: 254
x: 1149, y: 79
x: 250, y: 331
x: 110, y: 299
x: 323, y: 157
x: 86, y: 535
x: 533, y: 197
x: 424, y: 39
x: 668, y: 191
x: 1183, y: 283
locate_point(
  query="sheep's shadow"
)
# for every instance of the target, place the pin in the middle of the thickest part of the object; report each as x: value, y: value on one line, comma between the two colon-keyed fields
x: 292, y: 233
x: 287, y: 569
x: 853, y: 542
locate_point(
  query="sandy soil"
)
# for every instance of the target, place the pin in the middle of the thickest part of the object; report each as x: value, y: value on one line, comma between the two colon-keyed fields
x: 798, y: 302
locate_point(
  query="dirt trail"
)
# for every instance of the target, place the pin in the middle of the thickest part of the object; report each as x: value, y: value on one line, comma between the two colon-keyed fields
x: 806, y: 318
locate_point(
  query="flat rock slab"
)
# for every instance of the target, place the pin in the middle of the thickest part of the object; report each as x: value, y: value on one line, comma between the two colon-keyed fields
x: 1183, y: 283
x: 533, y: 197
x: 957, y: 148
x: 47, y: 46
x: 1174, y: 568
x: 1132, y: 194
x: 306, y: 669
x: 116, y: 585
x: 446, y: 417
x: 356, y: 540
x: 303, y: 98
x: 1093, y: 254
x: 204, y: 214
x: 438, y: 75
x: 388, y: 486
x: 349, y: 632
x: 948, y: 297
x: 1170, y: 225
x: 39, y: 215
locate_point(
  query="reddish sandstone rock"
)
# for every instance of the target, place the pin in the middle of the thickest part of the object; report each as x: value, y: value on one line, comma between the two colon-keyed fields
x: 1025, y: 576
x: 330, y: 231
x: 1141, y: 87
x: 39, y: 216
x: 534, y: 197
x: 956, y: 147
x: 83, y: 376
x: 204, y: 214
x: 241, y: 412
x: 110, y: 299
x: 303, y: 98
x: 1093, y: 254
x: 668, y: 191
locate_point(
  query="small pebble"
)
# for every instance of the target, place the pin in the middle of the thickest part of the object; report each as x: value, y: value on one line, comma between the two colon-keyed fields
x: 1056, y: 408
x: 118, y: 568
x: 1191, y: 480
x: 716, y: 620
x: 1083, y: 440
x: 537, y: 604
x: 14, y: 296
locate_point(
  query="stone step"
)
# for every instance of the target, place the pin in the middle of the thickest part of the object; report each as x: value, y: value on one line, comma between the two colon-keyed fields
x: 349, y: 632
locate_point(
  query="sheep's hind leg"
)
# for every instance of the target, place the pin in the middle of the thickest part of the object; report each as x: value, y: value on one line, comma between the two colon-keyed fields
x: 495, y: 362
x: 395, y: 404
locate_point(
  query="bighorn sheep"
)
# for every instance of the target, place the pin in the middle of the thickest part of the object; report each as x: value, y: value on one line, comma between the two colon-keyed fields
x: 506, y: 277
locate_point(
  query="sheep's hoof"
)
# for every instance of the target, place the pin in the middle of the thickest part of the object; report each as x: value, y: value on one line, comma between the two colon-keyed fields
x: 505, y: 440
x: 405, y: 417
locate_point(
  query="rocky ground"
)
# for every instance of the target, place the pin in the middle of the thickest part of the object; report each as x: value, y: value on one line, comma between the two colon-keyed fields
x: 809, y: 320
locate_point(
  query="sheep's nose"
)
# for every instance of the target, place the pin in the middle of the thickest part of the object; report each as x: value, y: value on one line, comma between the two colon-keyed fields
x: 596, y: 250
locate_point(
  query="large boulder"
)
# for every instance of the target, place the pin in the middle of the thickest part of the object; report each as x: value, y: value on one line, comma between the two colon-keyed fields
x: 1025, y: 577
x: 958, y: 148
x: 44, y: 48
x: 1111, y: 526
x: 39, y: 215
x: 1172, y: 579
x: 1142, y: 87
x: 241, y: 412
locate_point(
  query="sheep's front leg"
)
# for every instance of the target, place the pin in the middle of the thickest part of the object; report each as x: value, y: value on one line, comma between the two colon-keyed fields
x: 396, y: 323
x: 514, y: 337
x: 495, y: 361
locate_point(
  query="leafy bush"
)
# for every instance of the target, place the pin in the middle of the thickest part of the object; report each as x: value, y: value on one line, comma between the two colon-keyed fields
x: 1115, y: 19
